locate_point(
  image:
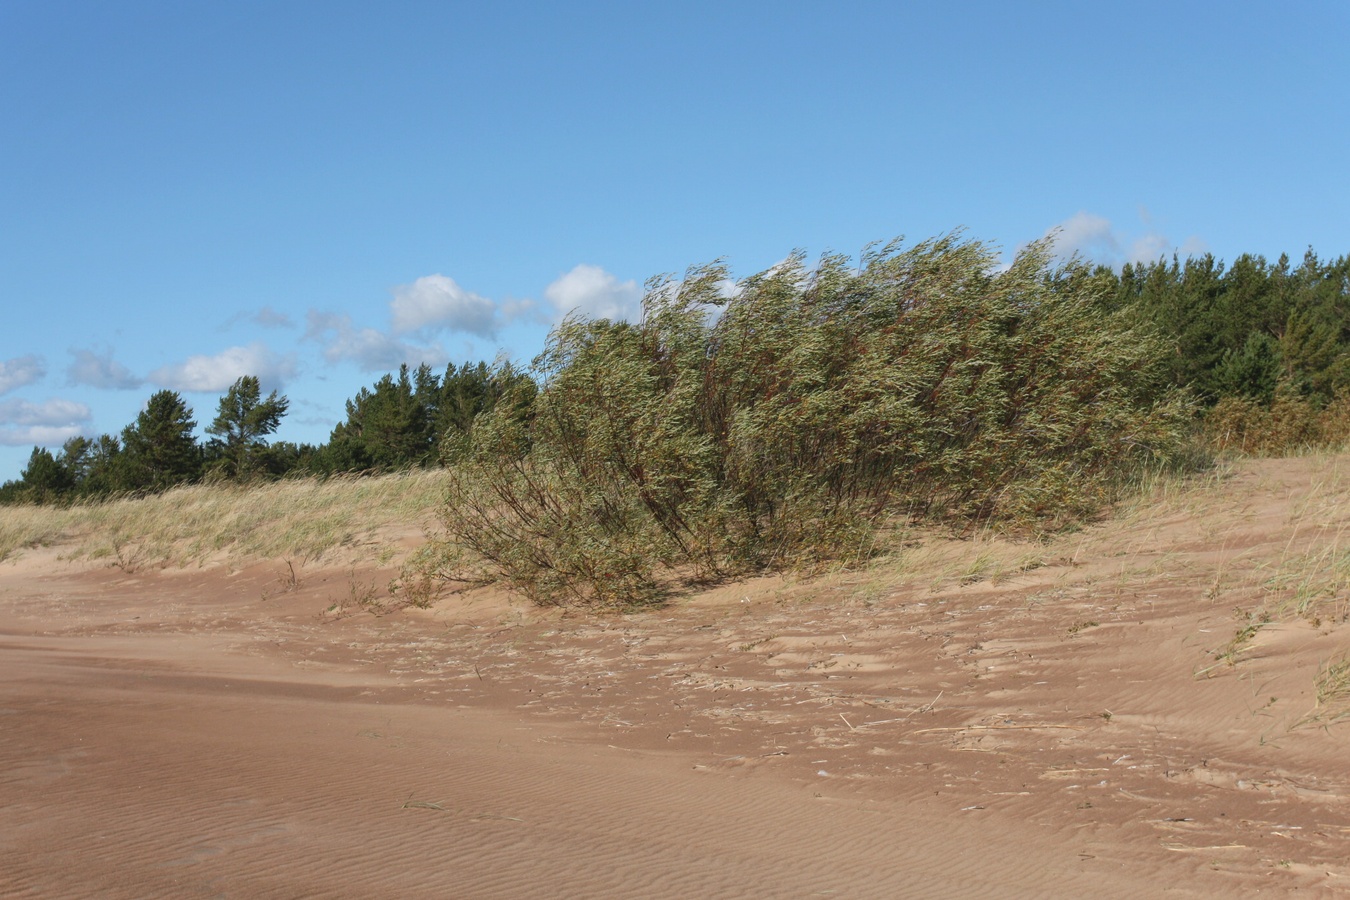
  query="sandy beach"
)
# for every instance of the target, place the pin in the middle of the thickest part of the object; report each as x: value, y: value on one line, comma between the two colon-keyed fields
x: 980, y: 719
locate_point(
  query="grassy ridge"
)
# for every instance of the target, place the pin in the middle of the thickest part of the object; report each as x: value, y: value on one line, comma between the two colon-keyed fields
x: 189, y: 525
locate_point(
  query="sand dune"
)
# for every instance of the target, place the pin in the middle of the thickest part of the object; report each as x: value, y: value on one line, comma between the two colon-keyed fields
x: 976, y: 719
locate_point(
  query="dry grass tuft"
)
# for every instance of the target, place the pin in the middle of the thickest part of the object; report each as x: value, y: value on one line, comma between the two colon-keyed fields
x: 1311, y: 579
x: 1332, y: 690
x: 306, y: 519
x: 1333, y: 685
x: 1290, y: 425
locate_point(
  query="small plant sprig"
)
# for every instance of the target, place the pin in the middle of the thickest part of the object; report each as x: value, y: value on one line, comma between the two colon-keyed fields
x: 362, y: 596
x: 287, y: 582
x: 1229, y: 653
x: 127, y: 557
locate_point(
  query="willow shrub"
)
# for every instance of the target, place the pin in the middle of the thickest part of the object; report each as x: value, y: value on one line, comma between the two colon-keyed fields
x: 784, y: 422
x: 1290, y: 424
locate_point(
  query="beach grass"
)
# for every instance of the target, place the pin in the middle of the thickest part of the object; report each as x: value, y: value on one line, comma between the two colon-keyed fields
x: 306, y: 519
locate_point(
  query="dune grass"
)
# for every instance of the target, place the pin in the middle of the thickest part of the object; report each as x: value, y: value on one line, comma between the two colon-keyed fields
x: 304, y: 518
x: 1311, y: 578
x: 1333, y: 688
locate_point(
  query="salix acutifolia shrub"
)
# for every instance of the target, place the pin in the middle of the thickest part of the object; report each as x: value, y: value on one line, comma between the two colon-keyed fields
x: 1290, y: 424
x: 781, y: 421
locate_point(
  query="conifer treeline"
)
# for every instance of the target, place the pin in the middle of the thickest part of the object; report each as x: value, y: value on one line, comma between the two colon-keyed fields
x: 1264, y: 348
x: 1252, y: 329
x: 402, y: 421
x: 1250, y: 340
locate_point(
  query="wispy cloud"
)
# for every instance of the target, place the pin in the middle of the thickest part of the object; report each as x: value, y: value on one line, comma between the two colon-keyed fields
x: 267, y: 317
x: 341, y: 340
x: 218, y: 372
x: 100, y: 370
x: 1095, y: 238
x: 309, y: 412
x: 20, y: 371
x: 438, y: 302
x: 44, y: 424
x: 592, y: 292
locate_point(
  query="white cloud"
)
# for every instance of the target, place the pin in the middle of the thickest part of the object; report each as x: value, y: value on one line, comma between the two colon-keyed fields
x: 1193, y: 246
x: 1096, y: 239
x: 371, y: 350
x: 38, y: 435
x: 513, y: 310
x: 53, y: 412
x: 100, y: 371
x: 435, y: 301
x: 20, y: 371
x: 592, y: 292
x: 438, y: 303
x: 1088, y: 235
x: 46, y: 424
x: 217, y: 373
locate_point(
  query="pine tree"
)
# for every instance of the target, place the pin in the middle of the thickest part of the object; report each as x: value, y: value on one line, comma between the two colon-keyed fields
x: 45, y: 479
x: 242, y: 425
x: 159, y: 449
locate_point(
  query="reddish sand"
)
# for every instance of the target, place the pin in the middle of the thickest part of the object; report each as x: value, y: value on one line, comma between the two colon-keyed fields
x: 207, y: 733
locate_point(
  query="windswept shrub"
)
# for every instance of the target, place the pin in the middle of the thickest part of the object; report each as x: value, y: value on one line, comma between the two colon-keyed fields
x: 782, y: 423
x: 1290, y: 424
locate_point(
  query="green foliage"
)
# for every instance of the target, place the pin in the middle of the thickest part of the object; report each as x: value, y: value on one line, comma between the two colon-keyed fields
x: 1291, y: 423
x: 11, y: 492
x: 816, y: 407
x: 387, y: 428
x: 1314, y: 355
x: 44, y: 479
x: 838, y: 369
x: 156, y: 452
x: 158, y: 449
x: 95, y: 465
x: 469, y: 392
x: 1240, y: 332
x: 1265, y: 347
x: 242, y: 424
x: 83, y: 468
x: 1253, y: 372
x: 285, y: 459
x: 413, y: 419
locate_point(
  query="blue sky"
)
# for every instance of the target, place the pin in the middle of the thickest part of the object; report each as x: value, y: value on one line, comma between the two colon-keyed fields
x: 316, y: 192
